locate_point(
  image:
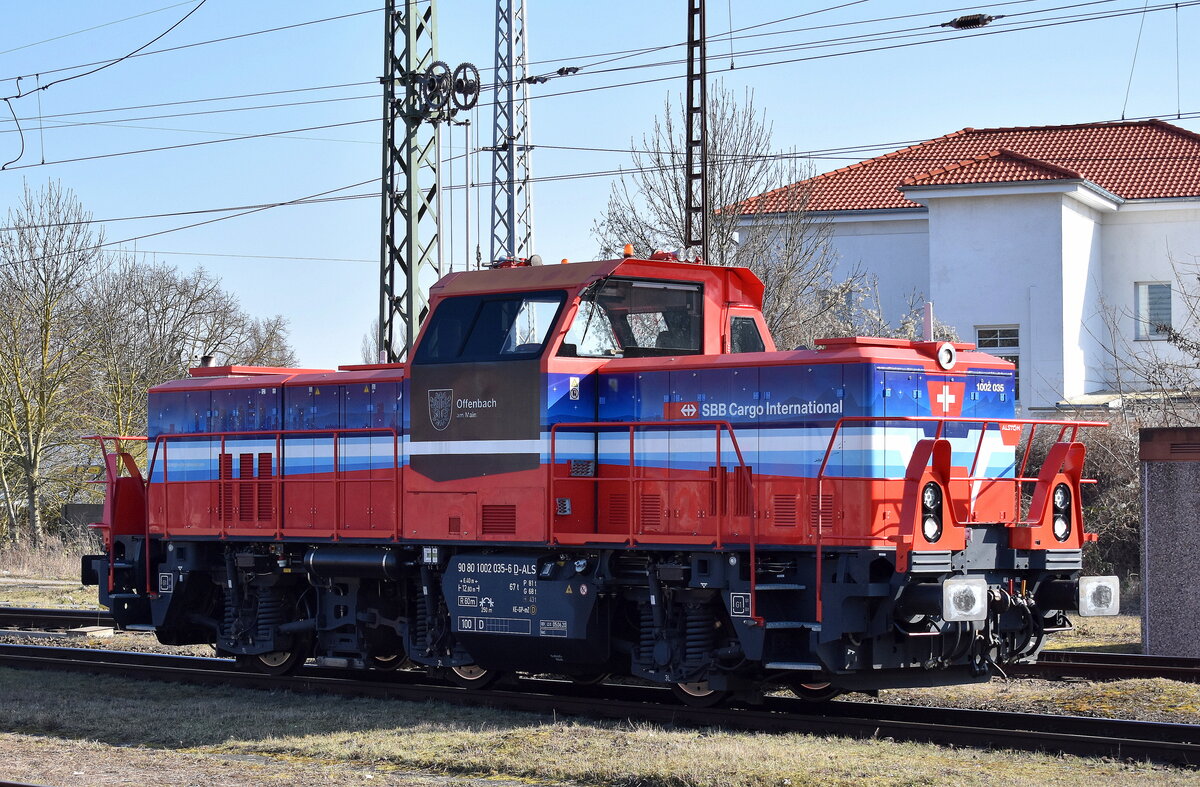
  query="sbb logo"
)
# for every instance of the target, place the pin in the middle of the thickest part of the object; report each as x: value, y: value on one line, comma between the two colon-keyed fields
x: 673, y: 410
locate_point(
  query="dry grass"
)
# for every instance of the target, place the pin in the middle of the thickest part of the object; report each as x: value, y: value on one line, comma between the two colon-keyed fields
x: 1117, y: 634
x: 400, y: 737
x: 55, y: 561
x: 34, y: 594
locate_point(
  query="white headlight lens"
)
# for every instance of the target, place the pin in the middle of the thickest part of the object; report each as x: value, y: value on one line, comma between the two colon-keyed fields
x: 1062, y: 496
x: 1099, y: 596
x: 931, y: 497
x: 931, y: 529
x: 1062, y: 528
x: 964, y: 599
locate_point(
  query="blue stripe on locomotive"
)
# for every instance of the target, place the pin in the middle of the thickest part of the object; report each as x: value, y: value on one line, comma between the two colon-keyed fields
x: 784, y: 416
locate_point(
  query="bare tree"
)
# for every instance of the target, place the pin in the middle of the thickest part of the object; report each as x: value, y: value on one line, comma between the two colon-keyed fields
x: 789, y: 250
x: 151, y: 322
x: 50, y: 259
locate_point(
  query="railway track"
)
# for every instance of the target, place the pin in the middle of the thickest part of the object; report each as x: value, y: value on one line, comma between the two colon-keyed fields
x: 1177, y: 744
x: 1051, y: 664
x: 52, y: 619
x: 1108, y: 666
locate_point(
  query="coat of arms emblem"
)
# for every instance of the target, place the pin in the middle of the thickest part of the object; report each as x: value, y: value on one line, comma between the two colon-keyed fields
x: 441, y: 407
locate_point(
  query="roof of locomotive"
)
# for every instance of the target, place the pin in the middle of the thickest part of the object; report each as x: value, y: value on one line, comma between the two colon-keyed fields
x: 741, y: 286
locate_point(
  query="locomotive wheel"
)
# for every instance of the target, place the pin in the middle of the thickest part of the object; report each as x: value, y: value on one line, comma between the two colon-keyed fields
x: 815, y: 692
x: 277, y: 662
x: 386, y: 663
x: 698, y: 694
x: 471, y: 676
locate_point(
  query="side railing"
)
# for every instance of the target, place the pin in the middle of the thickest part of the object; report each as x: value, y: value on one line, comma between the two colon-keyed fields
x: 723, y: 510
x: 279, y: 441
x: 117, y: 488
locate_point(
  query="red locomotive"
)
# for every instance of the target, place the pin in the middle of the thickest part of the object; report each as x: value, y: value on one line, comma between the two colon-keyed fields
x: 607, y: 468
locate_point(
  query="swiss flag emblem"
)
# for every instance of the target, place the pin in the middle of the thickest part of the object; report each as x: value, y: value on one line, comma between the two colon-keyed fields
x: 946, y: 397
x: 673, y: 410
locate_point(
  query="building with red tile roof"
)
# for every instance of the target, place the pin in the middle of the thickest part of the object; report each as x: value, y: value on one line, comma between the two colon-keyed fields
x: 1025, y: 238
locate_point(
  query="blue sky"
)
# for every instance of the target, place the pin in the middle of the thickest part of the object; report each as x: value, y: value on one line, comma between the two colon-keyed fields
x: 1044, y: 63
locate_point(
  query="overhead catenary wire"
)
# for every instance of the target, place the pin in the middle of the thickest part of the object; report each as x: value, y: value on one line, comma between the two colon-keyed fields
x: 101, y: 65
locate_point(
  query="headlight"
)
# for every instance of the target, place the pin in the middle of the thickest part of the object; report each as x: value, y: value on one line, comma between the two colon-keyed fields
x: 1099, y: 596
x: 1062, y: 497
x: 1062, y: 512
x: 931, y: 497
x: 931, y: 529
x: 931, y: 514
x: 964, y: 599
x: 1062, y: 528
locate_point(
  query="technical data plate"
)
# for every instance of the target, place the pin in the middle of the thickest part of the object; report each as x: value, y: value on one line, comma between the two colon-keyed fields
x: 496, y: 594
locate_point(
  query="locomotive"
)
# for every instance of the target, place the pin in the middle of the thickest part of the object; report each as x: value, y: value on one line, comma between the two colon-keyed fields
x: 606, y: 468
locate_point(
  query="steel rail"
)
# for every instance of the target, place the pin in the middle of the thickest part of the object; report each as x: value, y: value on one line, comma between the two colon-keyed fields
x: 53, y: 618
x: 1176, y: 744
x: 1108, y: 666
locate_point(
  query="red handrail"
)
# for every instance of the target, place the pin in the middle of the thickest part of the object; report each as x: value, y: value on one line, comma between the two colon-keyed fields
x: 277, y: 480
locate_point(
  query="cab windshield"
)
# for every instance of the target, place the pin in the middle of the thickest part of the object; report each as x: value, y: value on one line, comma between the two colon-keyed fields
x: 634, y: 318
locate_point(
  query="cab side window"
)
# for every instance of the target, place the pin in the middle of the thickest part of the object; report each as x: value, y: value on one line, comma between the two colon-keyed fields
x: 474, y: 328
x: 634, y: 318
x: 744, y: 336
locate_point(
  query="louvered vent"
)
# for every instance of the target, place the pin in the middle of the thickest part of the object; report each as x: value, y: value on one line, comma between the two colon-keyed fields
x: 651, y: 511
x: 266, y: 491
x: 785, y: 510
x: 1185, y: 448
x: 225, y: 489
x: 743, y: 491
x: 499, y: 520
x: 820, y: 511
x: 246, y: 488
x: 618, y: 512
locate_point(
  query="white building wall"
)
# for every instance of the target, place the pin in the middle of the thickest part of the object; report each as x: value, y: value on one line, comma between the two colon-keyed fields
x: 893, y: 249
x: 995, y: 261
x: 1139, y: 243
x: 1084, y: 331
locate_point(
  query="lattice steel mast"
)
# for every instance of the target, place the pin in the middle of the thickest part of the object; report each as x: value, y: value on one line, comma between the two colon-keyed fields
x: 512, y: 210
x: 410, y: 176
x: 696, y: 163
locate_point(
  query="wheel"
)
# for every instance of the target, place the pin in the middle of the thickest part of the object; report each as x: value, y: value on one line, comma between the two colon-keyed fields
x: 815, y: 692
x: 387, y: 663
x: 471, y: 676
x: 698, y: 694
x: 277, y: 662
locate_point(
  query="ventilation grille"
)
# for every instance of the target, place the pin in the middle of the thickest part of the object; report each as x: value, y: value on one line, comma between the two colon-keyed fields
x: 583, y: 468
x: 743, y: 491
x: 1185, y: 448
x: 651, y: 513
x: 225, y: 489
x: 618, y: 512
x: 246, y: 488
x: 785, y: 510
x: 454, y: 527
x: 266, y: 492
x: 499, y: 520
x: 820, y: 511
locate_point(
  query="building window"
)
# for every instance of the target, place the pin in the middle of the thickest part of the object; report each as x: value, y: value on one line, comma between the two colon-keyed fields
x: 1003, y: 341
x: 1152, y: 310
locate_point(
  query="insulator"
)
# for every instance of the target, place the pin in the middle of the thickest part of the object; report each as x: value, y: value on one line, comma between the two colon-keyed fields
x: 699, y: 634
